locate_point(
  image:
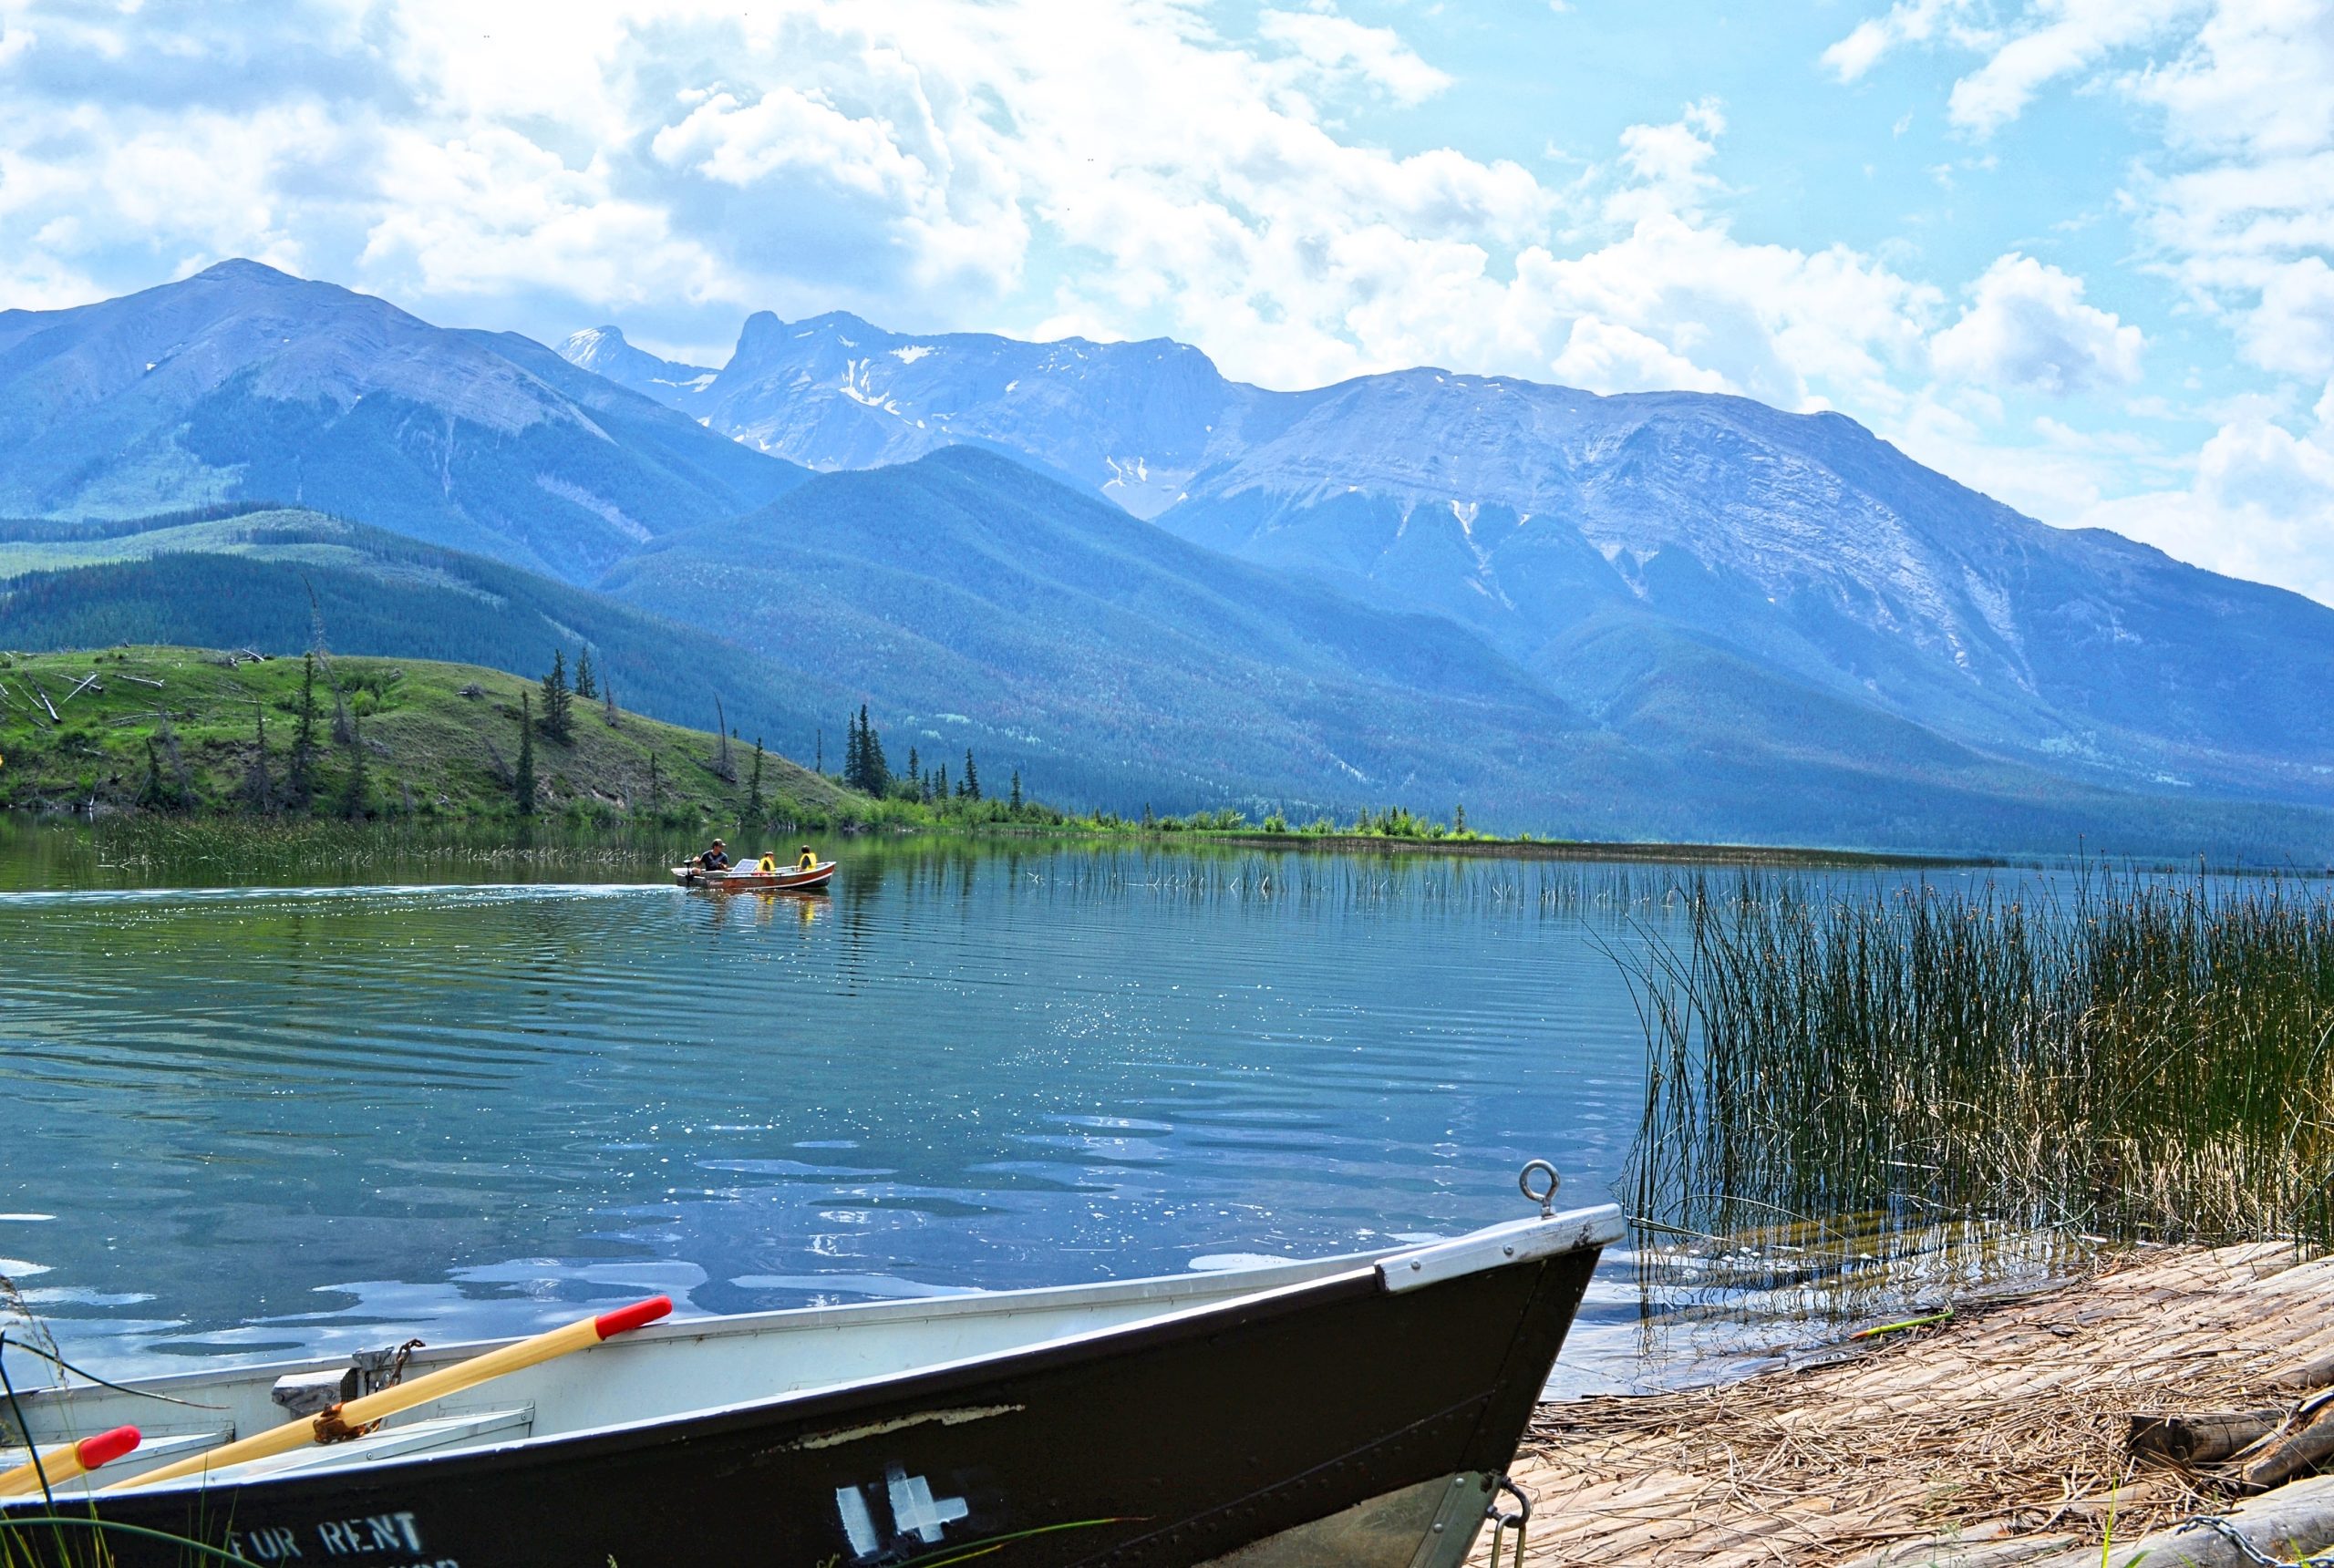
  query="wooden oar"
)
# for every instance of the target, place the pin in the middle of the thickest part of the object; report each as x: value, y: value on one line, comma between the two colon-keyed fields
x: 62, y: 1463
x: 328, y: 1424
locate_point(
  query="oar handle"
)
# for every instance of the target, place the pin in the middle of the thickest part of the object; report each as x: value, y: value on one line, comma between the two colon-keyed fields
x: 69, y: 1460
x: 339, y: 1421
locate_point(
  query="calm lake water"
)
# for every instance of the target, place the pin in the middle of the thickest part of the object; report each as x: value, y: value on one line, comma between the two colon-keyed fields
x: 258, y: 1121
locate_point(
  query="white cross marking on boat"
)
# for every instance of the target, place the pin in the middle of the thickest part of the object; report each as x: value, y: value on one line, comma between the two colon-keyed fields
x: 857, y: 1522
x: 917, y: 1512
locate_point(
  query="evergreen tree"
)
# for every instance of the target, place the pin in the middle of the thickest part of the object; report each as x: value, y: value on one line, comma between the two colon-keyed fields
x: 558, y: 701
x: 302, y: 781
x: 585, y: 687
x: 820, y: 766
x: 1015, y: 802
x: 754, y: 790
x: 1459, y: 820
x: 357, y: 790
x: 915, y: 769
x: 972, y: 785
x: 523, y: 783
x: 655, y: 785
x: 864, y: 768
x: 879, y: 772
x: 940, y: 784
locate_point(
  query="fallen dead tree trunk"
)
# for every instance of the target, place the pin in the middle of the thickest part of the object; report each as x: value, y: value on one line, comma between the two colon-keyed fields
x: 2203, y: 1437
x: 2309, y: 1446
x: 2289, y: 1522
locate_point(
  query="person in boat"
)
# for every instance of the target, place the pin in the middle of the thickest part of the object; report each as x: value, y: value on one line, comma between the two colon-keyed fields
x: 716, y: 859
x: 806, y: 861
x: 769, y: 866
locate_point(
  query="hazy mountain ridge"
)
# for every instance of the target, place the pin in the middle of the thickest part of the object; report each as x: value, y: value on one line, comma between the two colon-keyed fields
x: 1657, y: 615
x: 1132, y: 421
x: 1585, y: 535
x: 602, y: 351
x: 241, y: 383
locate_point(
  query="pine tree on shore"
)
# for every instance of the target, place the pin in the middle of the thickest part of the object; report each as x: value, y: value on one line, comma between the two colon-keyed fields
x: 972, y: 785
x: 1015, y: 802
x: 940, y: 784
x: 863, y: 767
x: 655, y: 785
x: 302, y: 781
x: 754, y: 790
x: 522, y: 782
x: 585, y: 686
x: 558, y: 700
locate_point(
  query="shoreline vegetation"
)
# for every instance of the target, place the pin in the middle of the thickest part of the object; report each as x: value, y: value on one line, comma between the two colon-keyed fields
x: 222, y: 737
x: 2137, y: 1059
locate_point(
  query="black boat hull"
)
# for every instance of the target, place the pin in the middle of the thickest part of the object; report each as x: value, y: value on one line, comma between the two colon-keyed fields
x: 1339, y: 1422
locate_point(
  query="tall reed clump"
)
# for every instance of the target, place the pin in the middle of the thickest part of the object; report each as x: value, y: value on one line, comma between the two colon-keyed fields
x: 2137, y: 1057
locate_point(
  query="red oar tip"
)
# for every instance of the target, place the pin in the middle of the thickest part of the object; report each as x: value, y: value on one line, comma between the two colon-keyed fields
x: 105, y: 1447
x: 638, y: 1313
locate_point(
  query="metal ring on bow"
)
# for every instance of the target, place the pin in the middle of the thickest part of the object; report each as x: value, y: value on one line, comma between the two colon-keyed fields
x: 1546, y: 1197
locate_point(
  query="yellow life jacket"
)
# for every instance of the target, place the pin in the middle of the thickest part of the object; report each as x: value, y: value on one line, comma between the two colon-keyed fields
x: 807, y: 862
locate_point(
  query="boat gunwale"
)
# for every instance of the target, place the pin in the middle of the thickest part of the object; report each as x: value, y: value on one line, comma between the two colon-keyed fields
x: 1595, y: 1227
x: 971, y: 1302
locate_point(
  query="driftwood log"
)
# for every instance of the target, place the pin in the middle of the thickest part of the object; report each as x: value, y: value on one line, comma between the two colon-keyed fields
x: 2301, y: 1437
x: 2308, y: 1446
x: 2289, y: 1522
x: 2203, y: 1437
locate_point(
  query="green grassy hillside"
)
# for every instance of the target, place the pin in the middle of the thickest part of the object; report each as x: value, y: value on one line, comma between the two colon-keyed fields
x: 258, y: 579
x: 179, y: 729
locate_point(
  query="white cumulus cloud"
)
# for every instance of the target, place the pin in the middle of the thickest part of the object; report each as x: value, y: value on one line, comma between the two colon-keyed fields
x: 1338, y: 45
x: 2261, y: 504
x: 2026, y: 326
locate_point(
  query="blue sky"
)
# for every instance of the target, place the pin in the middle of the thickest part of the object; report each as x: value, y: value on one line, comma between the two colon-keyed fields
x: 2072, y: 252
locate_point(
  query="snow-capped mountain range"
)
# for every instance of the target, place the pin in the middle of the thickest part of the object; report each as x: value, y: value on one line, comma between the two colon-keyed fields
x: 1609, y: 543
x: 1668, y: 614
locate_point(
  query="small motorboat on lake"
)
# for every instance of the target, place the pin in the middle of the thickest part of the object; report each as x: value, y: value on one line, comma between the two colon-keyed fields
x: 1358, y: 1411
x: 748, y: 878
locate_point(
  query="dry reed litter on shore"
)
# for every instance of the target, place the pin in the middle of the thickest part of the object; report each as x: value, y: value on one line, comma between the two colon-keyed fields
x: 2000, y: 1426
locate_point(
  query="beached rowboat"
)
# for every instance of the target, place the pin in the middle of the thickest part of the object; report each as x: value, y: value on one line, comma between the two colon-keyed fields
x: 1354, y: 1411
x: 745, y: 879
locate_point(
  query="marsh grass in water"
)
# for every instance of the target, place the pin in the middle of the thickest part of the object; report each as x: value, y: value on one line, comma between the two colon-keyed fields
x: 2137, y: 1058
x: 162, y: 852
